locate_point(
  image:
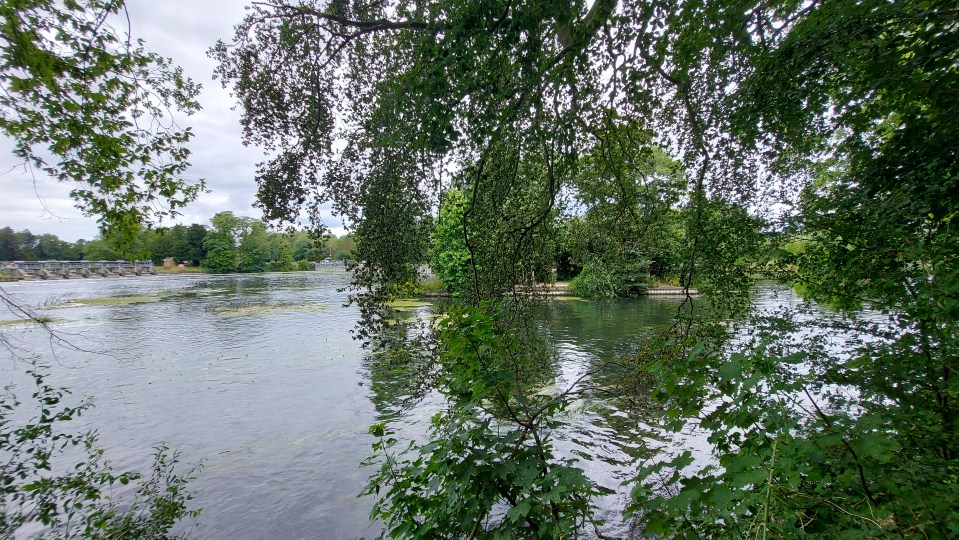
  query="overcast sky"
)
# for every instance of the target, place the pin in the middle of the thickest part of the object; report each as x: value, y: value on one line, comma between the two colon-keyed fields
x: 182, y: 30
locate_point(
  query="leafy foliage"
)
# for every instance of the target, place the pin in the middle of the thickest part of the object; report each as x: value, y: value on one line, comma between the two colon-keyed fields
x: 413, y: 101
x: 853, y: 441
x: 630, y: 229
x: 24, y: 245
x: 795, y: 457
x: 86, y: 104
x: 241, y: 244
x: 450, y: 256
x: 598, y: 281
x: 79, y: 501
x: 837, y: 118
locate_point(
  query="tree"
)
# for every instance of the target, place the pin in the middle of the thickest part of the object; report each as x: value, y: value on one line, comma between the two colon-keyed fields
x: 160, y: 242
x: 237, y: 244
x: 340, y: 248
x: 845, y: 113
x: 101, y: 249
x: 180, y: 242
x: 304, y: 247
x: 447, y: 108
x: 8, y: 244
x: 85, y: 103
x: 255, y: 246
x: 192, y: 249
x: 221, y: 255
x: 630, y: 228
x: 80, y: 249
x: 450, y: 257
x: 284, y: 261
x: 221, y: 243
x: 19, y: 245
x: 26, y: 245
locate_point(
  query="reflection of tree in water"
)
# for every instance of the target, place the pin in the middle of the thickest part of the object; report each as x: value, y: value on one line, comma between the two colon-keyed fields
x: 491, y: 445
x: 401, y: 365
x: 616, y: 342
x: 600, y: 326
x: 609, y: 337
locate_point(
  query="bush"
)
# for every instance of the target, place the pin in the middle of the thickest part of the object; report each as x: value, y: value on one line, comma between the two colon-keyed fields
x: 596, y: 281
x: 279, y: 266
x: 304, y: 265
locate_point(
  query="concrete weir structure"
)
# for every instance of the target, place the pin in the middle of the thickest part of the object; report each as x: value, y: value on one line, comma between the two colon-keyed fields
x: 77, y: 269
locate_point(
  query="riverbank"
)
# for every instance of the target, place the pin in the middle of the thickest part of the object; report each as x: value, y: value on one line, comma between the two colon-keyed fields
x: 561, y: 289
x: 163, y: 270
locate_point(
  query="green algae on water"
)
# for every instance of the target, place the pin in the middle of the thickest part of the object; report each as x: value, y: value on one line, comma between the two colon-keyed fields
x: 234, y: 311
x: 25, y: 322
x: 108, y: 301
x: 406, y: 304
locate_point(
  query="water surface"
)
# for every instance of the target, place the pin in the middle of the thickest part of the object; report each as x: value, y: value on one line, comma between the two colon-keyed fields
x: 258, y: 377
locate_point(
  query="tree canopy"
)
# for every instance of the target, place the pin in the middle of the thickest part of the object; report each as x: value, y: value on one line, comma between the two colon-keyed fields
x: 88, y: 104
x: 828, y: 122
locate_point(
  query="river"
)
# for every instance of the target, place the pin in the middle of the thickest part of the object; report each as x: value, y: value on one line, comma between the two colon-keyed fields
x: 258, y: 378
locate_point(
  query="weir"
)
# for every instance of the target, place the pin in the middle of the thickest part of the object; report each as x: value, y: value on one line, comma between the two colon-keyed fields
x: 77, y: 269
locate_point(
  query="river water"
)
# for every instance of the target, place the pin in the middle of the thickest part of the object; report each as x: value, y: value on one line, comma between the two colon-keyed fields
x: 258, y: 378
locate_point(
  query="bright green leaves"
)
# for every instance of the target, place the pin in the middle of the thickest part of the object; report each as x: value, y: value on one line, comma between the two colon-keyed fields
x: 876, y: 446
x: 450, y: 257
x: 85, y: 105
x: 730, y: 369
x: 477, y: 477
x: 242, y: 244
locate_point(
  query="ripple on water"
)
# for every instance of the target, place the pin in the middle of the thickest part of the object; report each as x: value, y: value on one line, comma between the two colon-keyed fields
x: 277, y: 400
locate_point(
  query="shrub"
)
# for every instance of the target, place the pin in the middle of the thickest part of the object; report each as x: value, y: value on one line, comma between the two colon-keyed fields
x: 596, y: 281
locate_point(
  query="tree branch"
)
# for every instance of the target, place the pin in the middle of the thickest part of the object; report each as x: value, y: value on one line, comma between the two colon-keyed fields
x: 370, y: 26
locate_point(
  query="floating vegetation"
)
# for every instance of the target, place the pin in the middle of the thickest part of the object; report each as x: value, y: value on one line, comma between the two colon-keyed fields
x: 60, y: 302
x: 263, y: 309
x: 406, y: 304
x: 109, y: 301
x: 202, y: 292
x: 18, y: 322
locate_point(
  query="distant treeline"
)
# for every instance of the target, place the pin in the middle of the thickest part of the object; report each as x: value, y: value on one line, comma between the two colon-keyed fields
x: 232, y: 244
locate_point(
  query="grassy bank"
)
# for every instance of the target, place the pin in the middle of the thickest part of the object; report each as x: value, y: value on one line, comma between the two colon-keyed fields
x: 178, y: 270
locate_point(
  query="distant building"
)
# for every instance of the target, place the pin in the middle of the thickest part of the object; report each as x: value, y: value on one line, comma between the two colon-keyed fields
x: 425, y: 274
x: 168, y: 262
x: 329, y: 263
